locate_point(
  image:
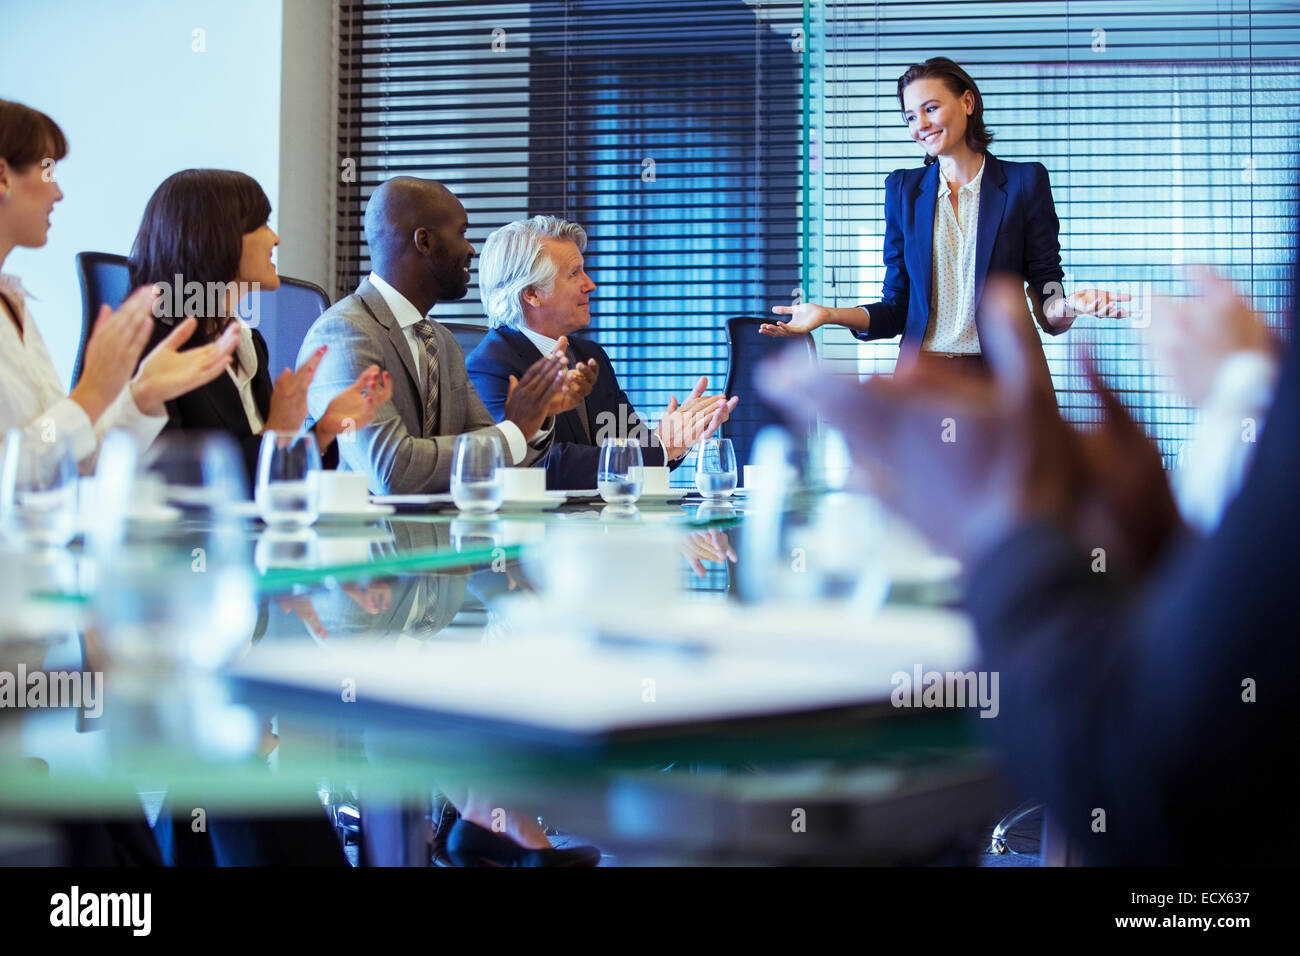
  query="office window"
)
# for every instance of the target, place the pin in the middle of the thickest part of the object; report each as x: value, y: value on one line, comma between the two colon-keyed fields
x: 1168, y: 130
x: 672, y: 132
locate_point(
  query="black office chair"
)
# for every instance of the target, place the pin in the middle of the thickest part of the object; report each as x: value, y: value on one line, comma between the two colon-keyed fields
x: 283, y: 317
x: 467, y: 334
x: 746, y: 349
x: 104, y: 281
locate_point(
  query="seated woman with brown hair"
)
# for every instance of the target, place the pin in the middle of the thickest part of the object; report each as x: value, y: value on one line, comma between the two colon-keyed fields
x: 111, y: 392
x: 205, y: 242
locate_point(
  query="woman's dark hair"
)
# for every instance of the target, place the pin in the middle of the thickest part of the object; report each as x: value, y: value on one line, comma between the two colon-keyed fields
x: 978, y: 136
x: 193, y: 227
x: 28, y: 136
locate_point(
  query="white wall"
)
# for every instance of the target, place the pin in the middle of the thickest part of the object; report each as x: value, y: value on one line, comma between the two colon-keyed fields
x: 137, y: 102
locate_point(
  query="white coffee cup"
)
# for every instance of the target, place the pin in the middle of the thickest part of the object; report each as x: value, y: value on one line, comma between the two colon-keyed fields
x: 654, y: 480
x: 582, y: 564
x: 523, y: 484
x: 341, y: 490
x: 763, y: 476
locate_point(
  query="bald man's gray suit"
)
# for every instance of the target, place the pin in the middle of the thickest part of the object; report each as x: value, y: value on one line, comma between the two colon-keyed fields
x: 362, y: 331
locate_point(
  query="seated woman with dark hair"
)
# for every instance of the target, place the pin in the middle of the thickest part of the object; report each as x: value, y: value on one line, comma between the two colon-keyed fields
x: 205, y: 242
x: 111, y: 393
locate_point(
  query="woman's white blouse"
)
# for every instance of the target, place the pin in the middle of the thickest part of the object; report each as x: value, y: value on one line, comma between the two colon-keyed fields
x: 242, y: 371
x: 32, y: 397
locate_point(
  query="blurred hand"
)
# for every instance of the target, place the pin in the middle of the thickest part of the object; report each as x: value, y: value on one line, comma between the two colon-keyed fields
x: 289, y: 397
x: 681, y: 427
x: 529, y: 400
x: 1191, y: 338
x: 968, y: 460
x: 168, y: 373
x: 1060, y: 312
x: 301, y: 606
x: 354, y: 407
x: 712, y: 546
x: 804, y: 317
x: 372, y: 597
x: 113, y: 351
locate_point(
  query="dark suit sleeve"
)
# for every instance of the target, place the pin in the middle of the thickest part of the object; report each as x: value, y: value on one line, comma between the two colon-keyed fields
x: 568, y: 464
x: 623, y: 421
x: 1165, y: 702
x: 1043, y: 241
x: 889, y: 315
x: 490, y: 377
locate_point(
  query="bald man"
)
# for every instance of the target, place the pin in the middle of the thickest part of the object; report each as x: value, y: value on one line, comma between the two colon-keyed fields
x: 415, y: 229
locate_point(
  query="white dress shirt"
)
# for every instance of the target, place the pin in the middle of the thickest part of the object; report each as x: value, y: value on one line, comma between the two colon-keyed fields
x: 1213, y: 462
x: 407, y: 316
x: 32, y: 397
x: 952, y: 275
x: 242, y: 371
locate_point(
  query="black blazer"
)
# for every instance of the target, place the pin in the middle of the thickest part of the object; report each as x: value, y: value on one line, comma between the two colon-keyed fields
x: 573, y: 456
x: 216, y: 407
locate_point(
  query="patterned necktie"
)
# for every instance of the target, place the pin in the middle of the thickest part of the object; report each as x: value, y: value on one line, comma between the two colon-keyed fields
x: 424, y: 332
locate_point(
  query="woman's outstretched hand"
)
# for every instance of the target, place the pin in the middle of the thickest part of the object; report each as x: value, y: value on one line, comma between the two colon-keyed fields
x: 804, y: 317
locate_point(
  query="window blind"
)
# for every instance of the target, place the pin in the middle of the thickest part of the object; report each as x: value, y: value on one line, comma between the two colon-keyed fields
x: 1168, y: 131
x: 672, y: 132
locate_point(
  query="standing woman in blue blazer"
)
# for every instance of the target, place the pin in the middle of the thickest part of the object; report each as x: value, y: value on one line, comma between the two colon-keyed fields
x: 951, y: 223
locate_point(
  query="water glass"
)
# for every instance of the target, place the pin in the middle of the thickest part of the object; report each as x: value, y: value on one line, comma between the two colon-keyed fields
x: 715, y: 470
x: 38, y: 489
x: 287, y: 492
x: 619, y: 476
x: 476, y: 473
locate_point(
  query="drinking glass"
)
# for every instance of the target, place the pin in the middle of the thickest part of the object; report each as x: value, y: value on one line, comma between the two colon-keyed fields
x: 38, y: 489
x: 476, y: 474
x: 619, y: 475
x: 715, y: 470
x: 286, y: 491
x: 174, y: 589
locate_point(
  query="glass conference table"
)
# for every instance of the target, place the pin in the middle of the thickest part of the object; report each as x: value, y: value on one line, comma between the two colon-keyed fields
x: 683, y: 682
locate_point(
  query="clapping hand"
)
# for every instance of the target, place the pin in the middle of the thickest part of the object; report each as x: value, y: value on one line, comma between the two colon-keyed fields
x: 289, y: 397
x: 529, y: 399
x: 696, y: 419
x: 579, y: 381
x: 355, y: 406
x: 1192, y: 338
x: 168, y: 373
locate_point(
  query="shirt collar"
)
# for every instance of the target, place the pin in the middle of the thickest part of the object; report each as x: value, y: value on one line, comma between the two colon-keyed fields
x: 972, y: 187
x: 544, y: 344
x: 405, y: 313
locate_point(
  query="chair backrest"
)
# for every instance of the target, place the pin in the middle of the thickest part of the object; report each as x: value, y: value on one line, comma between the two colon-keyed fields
x: 746, y: 350
x: 284, y: 317
x: 104, y: 281
x: 467, y: 334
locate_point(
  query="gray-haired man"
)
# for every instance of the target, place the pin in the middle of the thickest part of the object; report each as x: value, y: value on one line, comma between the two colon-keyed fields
x: 537, y: 293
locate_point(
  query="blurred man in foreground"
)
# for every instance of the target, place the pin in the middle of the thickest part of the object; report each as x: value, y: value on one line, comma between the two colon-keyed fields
x: 1145, y: 674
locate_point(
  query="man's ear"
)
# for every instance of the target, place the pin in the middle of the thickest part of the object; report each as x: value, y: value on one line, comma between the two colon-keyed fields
x: 530, y: 296
x: 4, y: 175
x: 423, y: 240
